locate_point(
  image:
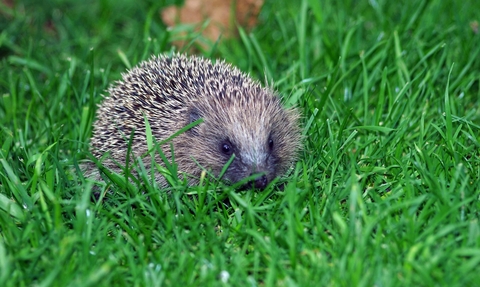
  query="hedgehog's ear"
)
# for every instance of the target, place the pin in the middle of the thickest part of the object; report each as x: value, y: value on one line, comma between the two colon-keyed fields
x: 193, y: 116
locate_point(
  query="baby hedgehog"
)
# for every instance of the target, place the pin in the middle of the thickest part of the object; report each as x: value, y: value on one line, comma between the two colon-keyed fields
x: 240, y: 119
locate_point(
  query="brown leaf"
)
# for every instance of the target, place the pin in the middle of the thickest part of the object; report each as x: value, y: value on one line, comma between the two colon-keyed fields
x: 219, y: 12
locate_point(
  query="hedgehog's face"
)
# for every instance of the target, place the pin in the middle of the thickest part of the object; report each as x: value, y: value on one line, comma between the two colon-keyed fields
x: 259, y: 134
x: 257, y: 160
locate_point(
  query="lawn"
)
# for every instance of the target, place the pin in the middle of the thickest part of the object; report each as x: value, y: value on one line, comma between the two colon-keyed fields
x: 386, y: 191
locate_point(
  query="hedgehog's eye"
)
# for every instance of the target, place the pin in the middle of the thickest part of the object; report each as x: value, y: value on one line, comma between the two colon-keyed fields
x: 226, y: 148
x: 270, y: 144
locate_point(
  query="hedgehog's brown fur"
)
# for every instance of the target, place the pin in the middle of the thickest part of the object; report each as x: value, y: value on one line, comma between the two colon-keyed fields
x: 240, y: 118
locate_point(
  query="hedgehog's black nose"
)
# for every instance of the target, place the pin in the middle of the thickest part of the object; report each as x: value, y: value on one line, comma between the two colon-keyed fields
x: 260, y: 182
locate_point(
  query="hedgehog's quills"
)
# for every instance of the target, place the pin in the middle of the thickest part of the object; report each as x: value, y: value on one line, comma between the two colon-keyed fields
x: 240, y: 118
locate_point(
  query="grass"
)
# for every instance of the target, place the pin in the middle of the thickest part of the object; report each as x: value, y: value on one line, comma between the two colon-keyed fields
x: 386, y: 191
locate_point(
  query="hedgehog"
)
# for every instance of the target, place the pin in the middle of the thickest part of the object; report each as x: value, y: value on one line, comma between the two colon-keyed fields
x: 237, y: 122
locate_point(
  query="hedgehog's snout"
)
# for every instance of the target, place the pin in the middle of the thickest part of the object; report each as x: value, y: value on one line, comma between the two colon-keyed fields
x: 257, y: 168
x: 258, y: 176
x: 260, y: 182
